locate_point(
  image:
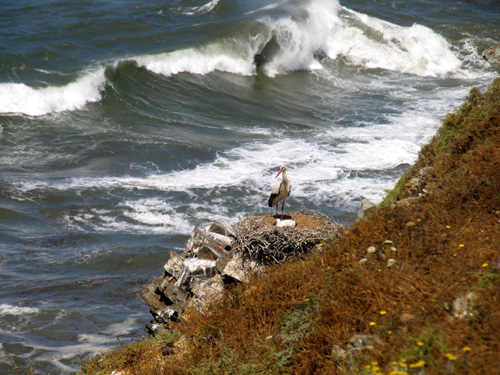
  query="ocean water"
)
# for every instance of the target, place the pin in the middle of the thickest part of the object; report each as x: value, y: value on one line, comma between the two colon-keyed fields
x: 126, y: 124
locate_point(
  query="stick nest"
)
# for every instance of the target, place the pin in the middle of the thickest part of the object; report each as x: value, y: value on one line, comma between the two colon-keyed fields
x: 258, y: 239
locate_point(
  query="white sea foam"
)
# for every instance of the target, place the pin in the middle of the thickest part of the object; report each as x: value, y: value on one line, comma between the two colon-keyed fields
x: 201, y: 60
x: 203, y: 9
x: 6, y: 309
x: 374, y: 43
x: 300, y: 37
x: 87, y: 344
x: 315, y: 26
x: 22, y: 99
x: 320, y: 172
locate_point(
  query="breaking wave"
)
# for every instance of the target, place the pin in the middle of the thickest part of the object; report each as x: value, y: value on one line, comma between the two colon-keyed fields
x: 19, y: 98
x: 287, y: 38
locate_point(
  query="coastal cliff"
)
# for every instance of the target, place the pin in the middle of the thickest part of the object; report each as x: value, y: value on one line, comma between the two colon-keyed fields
x: 411, y: 288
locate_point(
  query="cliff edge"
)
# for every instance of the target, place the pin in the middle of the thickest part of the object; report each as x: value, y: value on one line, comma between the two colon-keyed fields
x: 411, y: 288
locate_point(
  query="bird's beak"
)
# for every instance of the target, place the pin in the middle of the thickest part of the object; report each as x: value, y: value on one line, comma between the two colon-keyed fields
x: 281, y: 170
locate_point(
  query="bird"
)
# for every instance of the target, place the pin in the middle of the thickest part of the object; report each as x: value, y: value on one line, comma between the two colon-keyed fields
x: 280, y: 192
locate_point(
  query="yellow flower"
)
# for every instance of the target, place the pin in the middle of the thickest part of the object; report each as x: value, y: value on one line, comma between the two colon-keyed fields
x: 420, y: 343
x: 389, y: 332
x: 485, y: 265
x: 461, y: 245
x: 383, y: 312
x: 320, y: 244
x: 455, y: 255
x: 466, y: 349
x: 372, y: 323
x: 417, y: 364
x: 448, y: 227
x: 450, y: 356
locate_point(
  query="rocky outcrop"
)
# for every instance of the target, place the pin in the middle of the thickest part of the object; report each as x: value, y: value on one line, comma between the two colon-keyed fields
x: 492, y: 55
x: 366, y: 208
x: 221, y: 255
x: 197, y: 276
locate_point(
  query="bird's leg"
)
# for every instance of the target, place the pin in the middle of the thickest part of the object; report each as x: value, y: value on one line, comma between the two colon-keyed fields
x: 282, y: 208
x: 277, y: 211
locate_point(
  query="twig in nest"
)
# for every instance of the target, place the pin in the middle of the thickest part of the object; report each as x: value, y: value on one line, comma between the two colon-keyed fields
x: 267, y: 244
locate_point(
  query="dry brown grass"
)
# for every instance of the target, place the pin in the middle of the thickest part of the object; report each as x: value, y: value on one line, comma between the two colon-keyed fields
x: 287, y: 320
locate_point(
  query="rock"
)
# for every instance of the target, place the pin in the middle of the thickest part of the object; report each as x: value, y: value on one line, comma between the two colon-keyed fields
x: 240, y: 269
x: 366, y: 208
x: 358, y: 344
x: 221, y: 228
x: 167, y: 314
x: 224, y: 241
x: 462, y: 306
x: 221, y: 264
x: 410, y: 224
x: 208, y: 253
x: 391, y: 262
x: 174, y: 264
x: 194, y: 242
x: 194, y: 267
x: 286, y: 223
x: 364, y: 341
x: 209, y: 289
x: 371, y: 250
x: 338, y: 354
x: 155, y: 329
x: 174, y: 293
x: 149, y: 294
x: 206, y: 245
x: 492, y: 55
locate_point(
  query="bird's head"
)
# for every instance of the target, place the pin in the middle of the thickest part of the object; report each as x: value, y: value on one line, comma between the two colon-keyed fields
x: 282, y: 169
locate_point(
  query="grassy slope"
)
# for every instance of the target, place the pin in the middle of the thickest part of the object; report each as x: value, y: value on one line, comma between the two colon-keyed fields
x: 448, y: 244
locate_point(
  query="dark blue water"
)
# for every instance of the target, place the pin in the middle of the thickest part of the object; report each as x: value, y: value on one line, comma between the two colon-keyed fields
x: 126, y: 124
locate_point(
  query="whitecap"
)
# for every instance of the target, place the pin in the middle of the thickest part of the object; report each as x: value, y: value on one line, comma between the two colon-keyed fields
x: 203, y: 9
x: 6, y: 309
x: 200, y: 60
x: 22, y: 99
x: 373, y: 43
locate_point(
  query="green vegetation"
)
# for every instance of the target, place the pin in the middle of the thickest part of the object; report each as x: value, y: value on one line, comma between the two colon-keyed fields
x: 136, y: 357
x: 442, y: 233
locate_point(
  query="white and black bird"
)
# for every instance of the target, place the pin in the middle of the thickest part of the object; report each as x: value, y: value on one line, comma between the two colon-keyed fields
x: 280, y: 192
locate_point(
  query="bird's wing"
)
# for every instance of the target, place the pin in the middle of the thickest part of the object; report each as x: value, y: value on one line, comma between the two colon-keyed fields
x: 276, y: 191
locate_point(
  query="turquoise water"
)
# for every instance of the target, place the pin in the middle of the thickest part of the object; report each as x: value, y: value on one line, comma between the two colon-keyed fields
x: 125, y: 125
